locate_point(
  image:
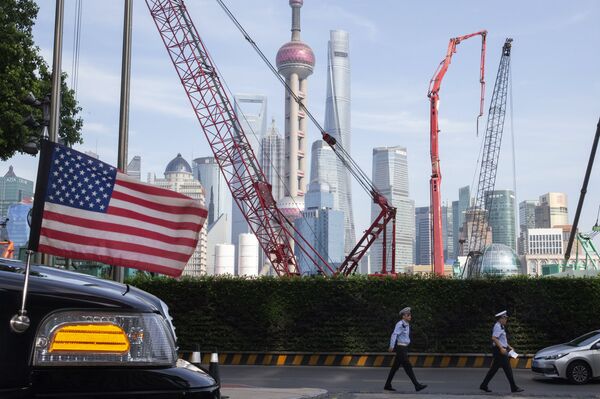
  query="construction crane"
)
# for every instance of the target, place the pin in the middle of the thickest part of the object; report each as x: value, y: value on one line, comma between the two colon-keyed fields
x: 236, y: 159
x: 387, y: 213
x: 586, y: 180
x: 436, y: 172
x: 489, y: 165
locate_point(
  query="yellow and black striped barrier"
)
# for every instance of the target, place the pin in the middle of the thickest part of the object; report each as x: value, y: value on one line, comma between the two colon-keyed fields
x: 355, y: 360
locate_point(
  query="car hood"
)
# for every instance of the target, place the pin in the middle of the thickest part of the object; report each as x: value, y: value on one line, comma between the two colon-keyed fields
x: 61, y: 288
x: 557, y: 349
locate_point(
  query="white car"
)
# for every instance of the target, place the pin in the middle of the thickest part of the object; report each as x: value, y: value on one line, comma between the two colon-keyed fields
x: 577, y: 360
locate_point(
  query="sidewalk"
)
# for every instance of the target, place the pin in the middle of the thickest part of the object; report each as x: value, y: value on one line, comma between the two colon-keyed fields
x: 271, y: 393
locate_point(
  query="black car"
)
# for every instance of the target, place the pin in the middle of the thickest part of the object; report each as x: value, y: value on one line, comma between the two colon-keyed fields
x: 90, y: 338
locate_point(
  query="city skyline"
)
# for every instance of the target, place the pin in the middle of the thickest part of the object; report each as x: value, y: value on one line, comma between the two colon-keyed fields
x: 554, y: 118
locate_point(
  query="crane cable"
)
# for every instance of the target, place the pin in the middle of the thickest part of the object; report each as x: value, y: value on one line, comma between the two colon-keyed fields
x: 363, y: 180
x: 258, y: 167
x: 76, y: 47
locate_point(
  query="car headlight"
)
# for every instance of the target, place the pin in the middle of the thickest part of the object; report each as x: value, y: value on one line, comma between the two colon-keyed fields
x: 554, y: 357
x: 93, y: 338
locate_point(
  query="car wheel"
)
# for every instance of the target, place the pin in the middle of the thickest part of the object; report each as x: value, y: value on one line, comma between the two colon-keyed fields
x: 579, y: 372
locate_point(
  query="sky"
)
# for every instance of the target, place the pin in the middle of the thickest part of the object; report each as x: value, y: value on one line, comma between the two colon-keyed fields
x: 395, y: 47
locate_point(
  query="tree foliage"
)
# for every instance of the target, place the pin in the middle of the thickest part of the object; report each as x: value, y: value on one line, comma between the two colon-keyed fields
x: 23, y: 70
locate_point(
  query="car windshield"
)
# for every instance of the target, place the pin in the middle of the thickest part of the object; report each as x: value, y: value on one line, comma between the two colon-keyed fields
x: 585, y: 339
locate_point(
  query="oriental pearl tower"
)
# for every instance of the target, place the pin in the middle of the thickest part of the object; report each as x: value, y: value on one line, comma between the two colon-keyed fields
x: 295, y: 62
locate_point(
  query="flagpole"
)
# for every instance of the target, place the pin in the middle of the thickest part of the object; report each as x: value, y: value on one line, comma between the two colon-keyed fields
x: 55, y: 96
x: 20, y: 322
x: 119, y: 272
x: 56, y: 71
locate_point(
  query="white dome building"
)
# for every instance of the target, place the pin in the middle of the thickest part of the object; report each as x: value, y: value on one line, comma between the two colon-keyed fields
x: 179, y: 178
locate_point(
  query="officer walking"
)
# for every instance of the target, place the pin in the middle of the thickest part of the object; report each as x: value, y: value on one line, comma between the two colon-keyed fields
x: 500, y: 350
x: 399, y: 342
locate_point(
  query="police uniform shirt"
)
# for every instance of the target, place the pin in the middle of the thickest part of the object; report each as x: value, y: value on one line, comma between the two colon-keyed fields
x: 500, y: 333
x: 401, y: 334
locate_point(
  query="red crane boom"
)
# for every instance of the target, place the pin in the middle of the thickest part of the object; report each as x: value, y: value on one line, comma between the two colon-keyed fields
x: 235, y: 156
x: 229, y: 144
x: 436, y: 172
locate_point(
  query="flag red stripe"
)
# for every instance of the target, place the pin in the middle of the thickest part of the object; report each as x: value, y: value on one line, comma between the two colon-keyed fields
x: 151, y: 190
x: 114, y: 245
x: 118, y: 228
x: 178, y: 210
x: 151, y: 267
x: 149, y: 219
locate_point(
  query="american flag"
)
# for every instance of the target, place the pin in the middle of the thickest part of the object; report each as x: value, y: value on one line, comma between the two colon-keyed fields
x: 87, y: 209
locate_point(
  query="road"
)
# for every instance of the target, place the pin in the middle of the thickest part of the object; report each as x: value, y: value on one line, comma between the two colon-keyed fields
x: 365, y: 382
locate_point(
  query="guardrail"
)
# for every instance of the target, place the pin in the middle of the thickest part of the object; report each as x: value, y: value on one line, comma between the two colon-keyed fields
x: 438, y: 360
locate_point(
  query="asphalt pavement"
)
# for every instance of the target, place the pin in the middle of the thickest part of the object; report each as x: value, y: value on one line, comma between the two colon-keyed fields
x: 289, y: 382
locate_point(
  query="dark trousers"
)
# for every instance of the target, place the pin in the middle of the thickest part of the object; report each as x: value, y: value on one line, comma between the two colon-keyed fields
x: 401, y: 359
x: 503, y: 361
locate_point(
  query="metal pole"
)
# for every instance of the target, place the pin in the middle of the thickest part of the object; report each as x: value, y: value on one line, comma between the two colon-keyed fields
x: 55, y: 99
x: 20, y: 322
x: 119, y: 272
x: 55, y: 96
x: 586, y: 179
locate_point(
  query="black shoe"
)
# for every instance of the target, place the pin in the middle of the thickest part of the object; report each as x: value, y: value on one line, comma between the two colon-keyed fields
x: 420, y: 387
x: 484, y: 388
x: 388, y: 388
x: 517, y: 389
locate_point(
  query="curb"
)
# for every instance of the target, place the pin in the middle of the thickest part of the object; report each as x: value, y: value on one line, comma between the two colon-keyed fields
x: 433, y: 360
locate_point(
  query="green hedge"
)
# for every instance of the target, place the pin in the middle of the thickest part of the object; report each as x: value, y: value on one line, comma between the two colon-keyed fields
x: 358, y: 314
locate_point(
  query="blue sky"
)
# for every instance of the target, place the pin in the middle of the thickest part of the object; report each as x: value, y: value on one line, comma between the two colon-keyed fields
x: 395, y: 46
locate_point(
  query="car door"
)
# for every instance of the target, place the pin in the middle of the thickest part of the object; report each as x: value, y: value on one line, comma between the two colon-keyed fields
x: 595, y: 358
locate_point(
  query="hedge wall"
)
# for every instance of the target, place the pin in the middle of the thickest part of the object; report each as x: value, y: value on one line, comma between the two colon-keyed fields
x: 357, y: 314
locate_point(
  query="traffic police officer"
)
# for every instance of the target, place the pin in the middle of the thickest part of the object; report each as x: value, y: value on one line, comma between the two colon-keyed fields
x: 399, y: 342
x: 500, y: 350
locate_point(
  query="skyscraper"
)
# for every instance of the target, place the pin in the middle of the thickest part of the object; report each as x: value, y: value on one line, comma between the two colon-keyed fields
x: 322, y: 227
x: 295, y: 62
x: 423, y: 235
x: 251, y: 110
x: 448, y: 234
x: 272, y: 159
x: 500, y: 206
x: 552, y: 211
x: 206, y: 171
x: 455, y: 229
x: 526, y: 222
x: 179, y: 178
x: 390, y: 176
x: 337, y: 124
x: 323, y: 167
x: 459, y: 214
x: 134, y: 167
x: 527, y: 214
x: 13, y: 189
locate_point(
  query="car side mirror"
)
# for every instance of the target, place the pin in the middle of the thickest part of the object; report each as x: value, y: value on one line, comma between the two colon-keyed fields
x: 596, y: 345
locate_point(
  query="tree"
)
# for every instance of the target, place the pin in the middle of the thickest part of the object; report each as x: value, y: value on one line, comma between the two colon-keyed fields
x: 23, y: 70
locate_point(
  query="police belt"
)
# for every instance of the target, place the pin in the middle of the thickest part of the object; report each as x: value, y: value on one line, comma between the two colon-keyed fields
x: 401, y: 344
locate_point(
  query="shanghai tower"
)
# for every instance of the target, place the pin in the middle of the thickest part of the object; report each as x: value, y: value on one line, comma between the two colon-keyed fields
x: 337, y: 124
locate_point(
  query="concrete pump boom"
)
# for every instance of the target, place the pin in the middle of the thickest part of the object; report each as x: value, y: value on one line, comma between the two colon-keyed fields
x: 436, y: 172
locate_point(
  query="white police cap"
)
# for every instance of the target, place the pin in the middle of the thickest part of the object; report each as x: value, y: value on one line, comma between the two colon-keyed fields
x: 501, y: 314
x: 406, y: 310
